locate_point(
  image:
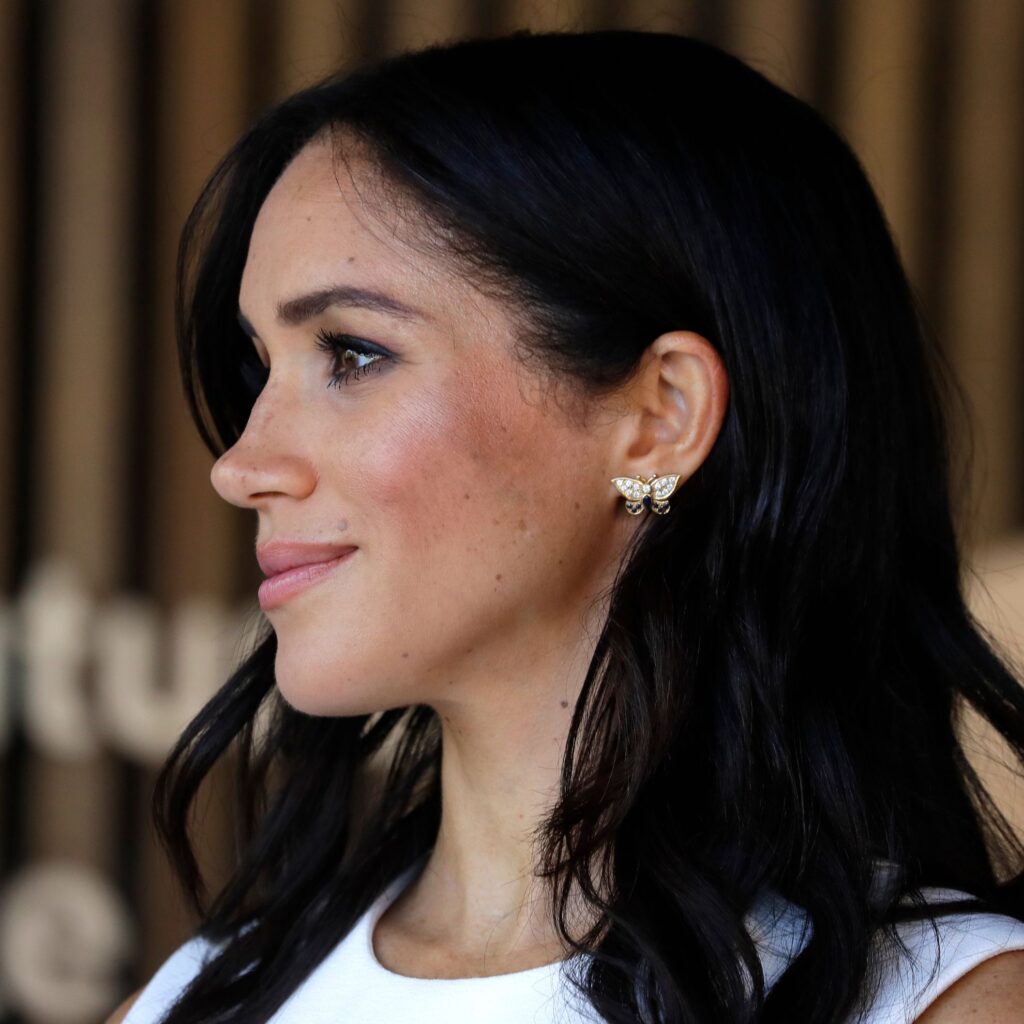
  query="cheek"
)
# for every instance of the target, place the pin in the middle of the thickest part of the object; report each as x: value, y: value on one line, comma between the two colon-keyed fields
x: 463, y: 458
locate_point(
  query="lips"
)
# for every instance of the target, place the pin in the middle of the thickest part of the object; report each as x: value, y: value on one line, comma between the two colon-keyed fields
x: 283, y: 586
x: 280, y: 556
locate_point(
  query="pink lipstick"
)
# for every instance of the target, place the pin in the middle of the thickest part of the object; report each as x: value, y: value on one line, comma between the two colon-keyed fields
x: 280, y: 587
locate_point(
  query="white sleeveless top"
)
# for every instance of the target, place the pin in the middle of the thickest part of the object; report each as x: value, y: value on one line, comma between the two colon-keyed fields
x: 350, y: 986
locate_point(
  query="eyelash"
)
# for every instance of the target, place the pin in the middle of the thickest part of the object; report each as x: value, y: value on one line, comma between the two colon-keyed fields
x: 255, y: 374
x: 337, y: 345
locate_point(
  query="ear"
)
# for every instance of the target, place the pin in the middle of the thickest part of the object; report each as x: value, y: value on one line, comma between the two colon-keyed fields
x: 672, y: 409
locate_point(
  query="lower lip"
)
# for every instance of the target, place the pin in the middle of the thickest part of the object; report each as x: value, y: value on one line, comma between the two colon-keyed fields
x: 275, y: 590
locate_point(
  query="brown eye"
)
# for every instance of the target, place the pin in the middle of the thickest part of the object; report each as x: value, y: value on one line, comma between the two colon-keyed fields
x: 341, y: 346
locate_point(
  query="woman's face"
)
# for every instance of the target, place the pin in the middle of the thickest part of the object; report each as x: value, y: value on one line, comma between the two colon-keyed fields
x: 483, y: 517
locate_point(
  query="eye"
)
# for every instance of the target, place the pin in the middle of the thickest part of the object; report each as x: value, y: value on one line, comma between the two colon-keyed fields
x: 341, y: 346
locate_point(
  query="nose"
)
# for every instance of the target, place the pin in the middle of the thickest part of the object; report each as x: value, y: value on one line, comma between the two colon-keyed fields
x: 259, y: 465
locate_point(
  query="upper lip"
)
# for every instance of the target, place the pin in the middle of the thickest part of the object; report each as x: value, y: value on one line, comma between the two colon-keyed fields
x: 280, y: 556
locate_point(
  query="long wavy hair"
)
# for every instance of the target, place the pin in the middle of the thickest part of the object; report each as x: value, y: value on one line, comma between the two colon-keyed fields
x: 777, y: 694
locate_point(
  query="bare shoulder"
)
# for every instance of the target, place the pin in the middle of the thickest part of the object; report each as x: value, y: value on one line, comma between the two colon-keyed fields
x: 991, y: 993
x: 122, y: 1011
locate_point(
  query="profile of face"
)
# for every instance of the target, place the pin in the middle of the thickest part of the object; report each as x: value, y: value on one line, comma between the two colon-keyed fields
x: 481, y: 510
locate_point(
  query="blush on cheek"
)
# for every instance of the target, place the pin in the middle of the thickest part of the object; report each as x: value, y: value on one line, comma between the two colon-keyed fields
x: 467, y: 448
x: 498, y: 421
x: 419, y: 468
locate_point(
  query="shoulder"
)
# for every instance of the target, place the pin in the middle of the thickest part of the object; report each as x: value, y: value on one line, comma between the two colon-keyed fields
x: 953, y: 967
x: 948, y: 969
x: 170, y: 979
x: 992, y: 992
x: 122, y: 1011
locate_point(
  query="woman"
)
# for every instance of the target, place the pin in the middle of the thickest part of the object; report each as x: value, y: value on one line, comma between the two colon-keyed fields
x: 581, y: 373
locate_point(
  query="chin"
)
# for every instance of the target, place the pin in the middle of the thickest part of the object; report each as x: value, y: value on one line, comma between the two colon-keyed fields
x: 316, y: 693
x: 317, y: 699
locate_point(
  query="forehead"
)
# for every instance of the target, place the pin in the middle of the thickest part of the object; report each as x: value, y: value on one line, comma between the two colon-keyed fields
x: 325, y: 222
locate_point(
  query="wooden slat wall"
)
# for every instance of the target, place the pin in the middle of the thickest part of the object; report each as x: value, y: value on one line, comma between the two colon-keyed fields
x: 314, y: 38
x: 773, y: 36
x: 9, y: 97
x: 112, y: 112
x: 878, y: 105
x: 982, y: 316
x: 10, y: 29
x: 81, y: 341
x: 203, y: 55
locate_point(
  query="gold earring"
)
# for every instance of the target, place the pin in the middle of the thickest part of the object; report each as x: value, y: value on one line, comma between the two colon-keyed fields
x: 651, y: 493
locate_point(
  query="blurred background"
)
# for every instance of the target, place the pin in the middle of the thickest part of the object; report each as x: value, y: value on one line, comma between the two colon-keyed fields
x: 127, y: 585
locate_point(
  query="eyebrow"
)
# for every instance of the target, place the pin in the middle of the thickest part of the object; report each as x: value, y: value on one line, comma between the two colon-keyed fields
x: 294, y: 312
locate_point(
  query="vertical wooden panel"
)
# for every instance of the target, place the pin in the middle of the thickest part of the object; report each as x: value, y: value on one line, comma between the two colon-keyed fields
x: 415, y: 24
x: 983, y: 328
x: 204, y: 105
x: 315, y: 37
x: 878, y: 99
x: 542, y: 15
x: 81, y: 285
x: 773, y: 37
x: 657, y: 16
x: 825, y: 28
x: 939, y: 71
x: 10, y: 97
x: 995, y: 594
x: 984, y: 333
x: 82, y: 330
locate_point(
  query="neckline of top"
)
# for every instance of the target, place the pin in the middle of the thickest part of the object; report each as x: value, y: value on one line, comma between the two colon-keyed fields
x: 770, y: 911
x: 376, y: 910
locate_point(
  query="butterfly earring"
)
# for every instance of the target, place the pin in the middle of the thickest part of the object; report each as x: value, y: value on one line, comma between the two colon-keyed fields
x: 651, y: 493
